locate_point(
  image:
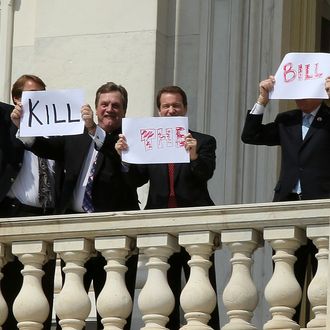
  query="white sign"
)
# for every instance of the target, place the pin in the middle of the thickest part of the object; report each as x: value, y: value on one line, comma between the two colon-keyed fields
x: 155, y: 140
x: 302, y: 76
x: 50, y: 113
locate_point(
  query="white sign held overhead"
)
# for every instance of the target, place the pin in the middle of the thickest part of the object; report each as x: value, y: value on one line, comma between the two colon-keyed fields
x: 155, y: 140
x: 302, y: 76
x: 51, y: 113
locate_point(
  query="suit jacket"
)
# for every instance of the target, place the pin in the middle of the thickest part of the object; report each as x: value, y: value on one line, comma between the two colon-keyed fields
x: 307, y: 160
x: 11, y: 150
x: 190, y: 179
x: 111, y: 191
x: 12, y: 153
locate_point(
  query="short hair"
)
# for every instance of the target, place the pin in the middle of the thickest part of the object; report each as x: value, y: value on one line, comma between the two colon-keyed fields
x: 18, y: 86
x: 172, y: 90
x: 112, y: 87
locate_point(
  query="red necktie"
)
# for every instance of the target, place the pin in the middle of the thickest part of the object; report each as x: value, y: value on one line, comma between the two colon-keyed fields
x: 171, y: 197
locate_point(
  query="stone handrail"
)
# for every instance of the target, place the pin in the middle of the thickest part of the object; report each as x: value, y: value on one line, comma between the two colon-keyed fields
x: 157, y: 234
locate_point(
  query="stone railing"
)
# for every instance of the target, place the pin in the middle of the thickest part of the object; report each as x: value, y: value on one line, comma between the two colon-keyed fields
x: 157, y: 234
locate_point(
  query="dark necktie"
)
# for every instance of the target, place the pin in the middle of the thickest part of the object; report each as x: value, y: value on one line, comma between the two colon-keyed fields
x: 87, y: 204
x: 46, y: 196
x: 171, y: 198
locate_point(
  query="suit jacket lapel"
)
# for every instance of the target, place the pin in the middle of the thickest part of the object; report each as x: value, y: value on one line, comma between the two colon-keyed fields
x: 292, y: 126
x: 321, y: 118
x: 99, y: 162
x: 81, y: 147
x: 177, y: 169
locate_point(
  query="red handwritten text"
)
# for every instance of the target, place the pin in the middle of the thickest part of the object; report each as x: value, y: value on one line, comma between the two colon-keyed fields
x: 162, y: 138
x: 301, y: 72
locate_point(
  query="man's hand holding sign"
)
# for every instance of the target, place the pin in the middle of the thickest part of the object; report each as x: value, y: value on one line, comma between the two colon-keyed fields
x: 327, y: 86
x: 49, y: 113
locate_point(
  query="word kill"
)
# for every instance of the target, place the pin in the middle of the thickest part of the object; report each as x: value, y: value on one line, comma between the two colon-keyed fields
x: 162, y: 138
x: 54, y: 118
x: 301, y: 72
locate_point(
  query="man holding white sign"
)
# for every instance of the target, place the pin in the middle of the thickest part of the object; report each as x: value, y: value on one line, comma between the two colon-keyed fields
x: 93, y: 180
x: 183, y: 184
x: 27, y: 188
x: 304, y: 137
x: 305, y: 147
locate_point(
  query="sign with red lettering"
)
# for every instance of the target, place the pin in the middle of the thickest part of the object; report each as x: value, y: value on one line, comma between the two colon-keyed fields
x: 51, y: 113
x: 155, y: 140
x: 302, y: 76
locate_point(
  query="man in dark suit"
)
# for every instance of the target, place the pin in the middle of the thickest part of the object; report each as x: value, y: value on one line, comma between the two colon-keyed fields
x: 187, y: 187
x: 5, y: 123
x: 20, y: 195
x: 305, y: 162
x: 304, y: 137
x: 93, y: 179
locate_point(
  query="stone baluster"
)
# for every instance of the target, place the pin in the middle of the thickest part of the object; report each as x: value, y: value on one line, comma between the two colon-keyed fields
x: 31, y: 306
x: 3, y: 304
x: 240, y: 296
x: 72, y: 305
x: 156, y: 300
x: 317, y: 290
x: 198, y: 298
x: 114, y: 303
x: 283, y: 292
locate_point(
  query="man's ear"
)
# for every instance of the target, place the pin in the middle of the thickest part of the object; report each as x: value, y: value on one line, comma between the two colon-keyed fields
x: 16, y: 100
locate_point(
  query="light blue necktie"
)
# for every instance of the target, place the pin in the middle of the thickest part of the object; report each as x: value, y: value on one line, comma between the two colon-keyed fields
x: 306, y: 123
x: 307, y: 119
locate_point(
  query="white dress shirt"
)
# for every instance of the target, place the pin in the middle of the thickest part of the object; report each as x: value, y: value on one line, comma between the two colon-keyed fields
x: 26, y: 185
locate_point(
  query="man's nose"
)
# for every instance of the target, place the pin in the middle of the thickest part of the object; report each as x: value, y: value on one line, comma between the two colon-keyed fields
x: 109, y: 107
x: 172, y: 110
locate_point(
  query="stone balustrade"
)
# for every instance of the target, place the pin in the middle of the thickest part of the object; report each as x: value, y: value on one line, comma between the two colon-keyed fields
x: 157, y: 235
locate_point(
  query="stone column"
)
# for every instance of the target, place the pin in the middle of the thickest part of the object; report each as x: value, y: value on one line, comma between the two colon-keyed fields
x: 72, y: 305
x: 283, y: 292
x: 240, y: 295
x: 317, y: 290
x: 114, y: 302
x: 156, y: 300
x: 3, y: 303
x: 198, y: 298
x: 31, y: 307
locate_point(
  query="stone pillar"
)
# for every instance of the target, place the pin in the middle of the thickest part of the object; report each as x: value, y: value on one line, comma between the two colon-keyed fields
x: 198, y: 298
x: 317, y: 290
x: 156, y: 300
x: 240, y: 295
x: 72, y: 305
x: 283, y: 291
x: 31, y: 307
x: 114, y: 302
x: 3, y: 303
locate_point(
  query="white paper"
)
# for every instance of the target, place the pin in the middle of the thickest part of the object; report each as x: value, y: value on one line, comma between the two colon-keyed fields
x: 155, y: 140
x: 302, y: 76
x: 51, y: 113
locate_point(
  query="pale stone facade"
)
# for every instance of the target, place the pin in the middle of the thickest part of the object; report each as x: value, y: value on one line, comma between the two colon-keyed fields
x: 217, y: 50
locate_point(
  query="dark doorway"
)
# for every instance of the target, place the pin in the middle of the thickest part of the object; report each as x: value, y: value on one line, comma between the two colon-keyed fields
x: 325, y: 35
